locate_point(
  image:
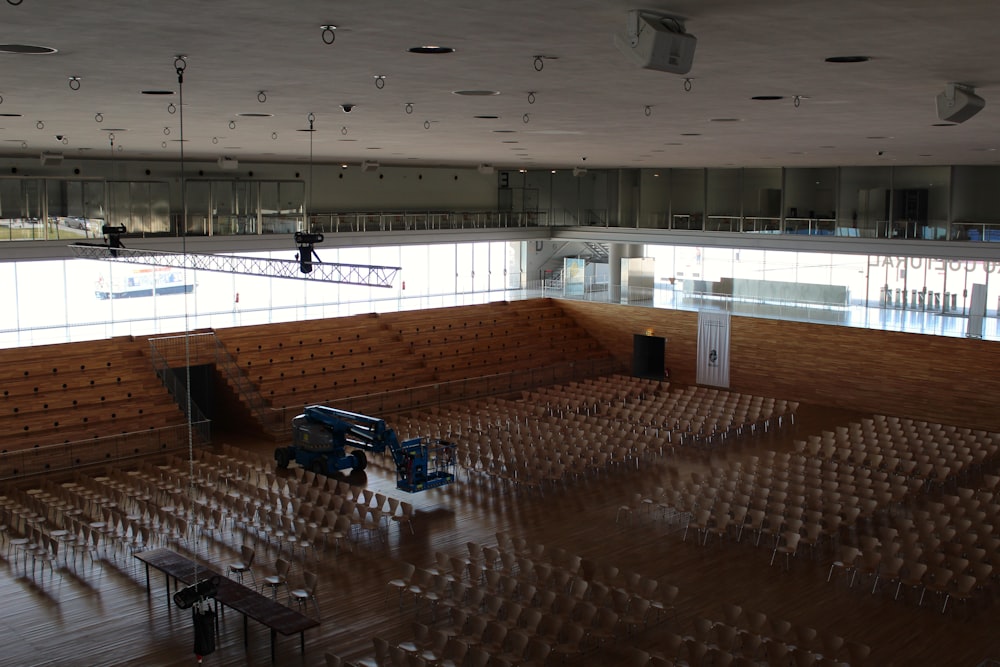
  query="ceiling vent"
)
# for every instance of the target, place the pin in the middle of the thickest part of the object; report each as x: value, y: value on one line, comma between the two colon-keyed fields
x: 369, y: 165
x: 51, y: 159
x: 227, y: 163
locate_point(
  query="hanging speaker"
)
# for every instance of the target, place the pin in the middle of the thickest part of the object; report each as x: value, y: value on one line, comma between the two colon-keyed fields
x: 958, y: 103
x: 657, y: 41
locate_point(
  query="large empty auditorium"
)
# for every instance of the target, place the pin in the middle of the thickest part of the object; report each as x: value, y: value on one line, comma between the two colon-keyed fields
x: 529, y: 334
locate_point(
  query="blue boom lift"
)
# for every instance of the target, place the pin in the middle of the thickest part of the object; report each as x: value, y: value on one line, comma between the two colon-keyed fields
x: 320, y: 436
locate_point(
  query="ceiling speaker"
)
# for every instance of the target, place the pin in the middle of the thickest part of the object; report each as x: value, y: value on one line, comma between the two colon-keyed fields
x: 958, y: 103
x: 51, y: 159
x: 657, y: 41
x: 369, y: 165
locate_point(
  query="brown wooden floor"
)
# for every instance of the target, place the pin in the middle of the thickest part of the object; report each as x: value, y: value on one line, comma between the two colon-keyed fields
x: 102, y: 616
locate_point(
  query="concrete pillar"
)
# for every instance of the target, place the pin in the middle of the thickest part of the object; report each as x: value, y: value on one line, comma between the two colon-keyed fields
x: 617, y: 252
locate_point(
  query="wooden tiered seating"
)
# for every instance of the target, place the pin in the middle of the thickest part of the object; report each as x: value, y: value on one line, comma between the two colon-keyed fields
x: 322, y: 360
x: 58, y: 394
x: 327, y: 360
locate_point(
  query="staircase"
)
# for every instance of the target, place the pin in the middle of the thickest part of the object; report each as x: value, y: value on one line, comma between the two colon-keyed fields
x: 598, y: 252
x: 177, y: 352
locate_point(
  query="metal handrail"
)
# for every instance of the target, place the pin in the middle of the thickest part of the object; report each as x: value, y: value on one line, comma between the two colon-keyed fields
x: 398, y: 400
x: 100, y: 451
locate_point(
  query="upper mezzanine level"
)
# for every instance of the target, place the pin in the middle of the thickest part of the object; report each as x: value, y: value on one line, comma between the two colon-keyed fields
x: 939, y: 211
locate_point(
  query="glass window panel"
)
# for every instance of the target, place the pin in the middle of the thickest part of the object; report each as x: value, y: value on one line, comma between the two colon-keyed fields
x: 480, y: 267
x: 9, y: 322
x: 199, y: 207
x: 139, y: 214
x: 159, y: 208
x: 761, y: 200
x: 282, y: 205
x: 41, y: 294
x: 498, y: 265
x: 443, y: 269
x: 119, y: 204
x: 723, y: 200
x: 920, y: 201
x: 463, y: 267
x: 223, y: 207
x: 687, y: 198
x: 864, y: 201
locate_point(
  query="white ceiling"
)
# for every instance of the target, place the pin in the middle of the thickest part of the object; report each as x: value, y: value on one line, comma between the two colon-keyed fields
x: 589, y: 102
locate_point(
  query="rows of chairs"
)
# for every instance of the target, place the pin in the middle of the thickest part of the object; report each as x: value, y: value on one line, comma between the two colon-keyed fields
x: 511, y: 597
x: 302, y: 513
x: 559, y: 434
x: 692, y: 415
x: 880, y: 526
x: 744, y: 637
x: 937, y: 454
x: 943, y: 548
x: 777, y: 495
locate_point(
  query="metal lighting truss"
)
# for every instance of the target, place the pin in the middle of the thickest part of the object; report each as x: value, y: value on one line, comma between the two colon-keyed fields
x: 347, y: 274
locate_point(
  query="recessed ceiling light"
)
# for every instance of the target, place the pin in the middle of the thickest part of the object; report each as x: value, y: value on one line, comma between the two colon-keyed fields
x: 255, y: 115
x: 431, y: 49
x: 724, y: 120
x: 27, y: 49
x: 476, y: 93
x: 767, y: 98
x: 848, y: 59
x: 487, y: 117
x: 157, y: 92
